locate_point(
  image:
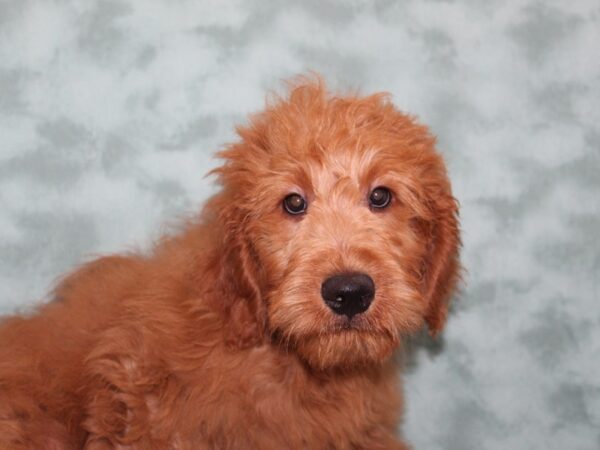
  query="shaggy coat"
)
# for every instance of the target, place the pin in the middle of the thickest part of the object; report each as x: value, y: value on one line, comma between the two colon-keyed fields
x: 220, y: 338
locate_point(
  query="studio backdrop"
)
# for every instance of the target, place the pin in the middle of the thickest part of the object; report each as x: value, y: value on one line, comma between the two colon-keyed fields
x: 110, y: 112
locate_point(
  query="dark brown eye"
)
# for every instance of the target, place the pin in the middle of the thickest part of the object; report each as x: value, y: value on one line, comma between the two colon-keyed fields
x: 380, y: 197
x: 294, y: 204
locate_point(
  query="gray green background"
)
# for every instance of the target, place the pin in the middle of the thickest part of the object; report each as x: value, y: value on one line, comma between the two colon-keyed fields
x: 110, y: 112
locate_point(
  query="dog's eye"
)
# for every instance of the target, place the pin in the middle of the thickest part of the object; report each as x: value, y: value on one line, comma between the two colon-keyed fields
x: 294, y: 204
x: 380, y: 197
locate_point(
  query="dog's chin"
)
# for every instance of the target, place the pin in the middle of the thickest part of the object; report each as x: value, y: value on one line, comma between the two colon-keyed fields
x: 347, y: 348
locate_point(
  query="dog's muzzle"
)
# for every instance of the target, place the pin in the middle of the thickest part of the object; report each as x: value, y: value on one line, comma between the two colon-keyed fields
x: 348, y: 294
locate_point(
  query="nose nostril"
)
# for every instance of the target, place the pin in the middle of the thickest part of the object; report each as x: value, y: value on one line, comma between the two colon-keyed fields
x: 348, y: 294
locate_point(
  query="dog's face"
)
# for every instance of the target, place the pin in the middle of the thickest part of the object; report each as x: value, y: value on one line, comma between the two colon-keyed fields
x: 345, y: 225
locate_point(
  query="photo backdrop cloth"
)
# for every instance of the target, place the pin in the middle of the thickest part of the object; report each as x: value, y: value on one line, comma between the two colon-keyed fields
x: 110, y: 112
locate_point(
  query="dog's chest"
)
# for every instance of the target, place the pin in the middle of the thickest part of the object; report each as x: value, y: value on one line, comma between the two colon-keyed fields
x: 273, y: 401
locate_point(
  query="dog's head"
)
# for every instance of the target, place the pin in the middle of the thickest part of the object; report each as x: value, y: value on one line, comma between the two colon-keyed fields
x: 340, y: 226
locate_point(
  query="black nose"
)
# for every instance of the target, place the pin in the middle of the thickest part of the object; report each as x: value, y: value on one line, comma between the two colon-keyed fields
x: 348, y: 294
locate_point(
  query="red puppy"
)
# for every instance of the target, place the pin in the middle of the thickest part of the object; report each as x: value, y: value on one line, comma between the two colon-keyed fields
x: 268, y: 322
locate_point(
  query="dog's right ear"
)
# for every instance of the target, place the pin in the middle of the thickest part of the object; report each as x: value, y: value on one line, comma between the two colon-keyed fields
x: 240, y: 273
x: 239, y: 278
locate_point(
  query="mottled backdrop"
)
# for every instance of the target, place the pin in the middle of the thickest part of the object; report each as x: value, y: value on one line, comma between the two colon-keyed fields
x: 110, y: 112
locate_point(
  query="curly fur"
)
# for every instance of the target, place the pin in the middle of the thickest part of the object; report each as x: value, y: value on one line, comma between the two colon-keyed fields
x: 219, y: 339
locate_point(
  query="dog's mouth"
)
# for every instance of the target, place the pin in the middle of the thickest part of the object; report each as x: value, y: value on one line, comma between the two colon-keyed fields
x: 340, y: 324
x: 347, y: 344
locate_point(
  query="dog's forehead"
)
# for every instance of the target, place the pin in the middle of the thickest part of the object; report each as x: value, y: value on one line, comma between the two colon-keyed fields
x: 312, y: 148
x: 321, y: 171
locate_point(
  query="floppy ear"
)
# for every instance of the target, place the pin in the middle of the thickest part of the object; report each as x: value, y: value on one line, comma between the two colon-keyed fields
x: 441, y: 265
x: 240, y: 277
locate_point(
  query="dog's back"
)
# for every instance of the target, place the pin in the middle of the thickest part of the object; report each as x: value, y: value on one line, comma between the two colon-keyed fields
x: 42, y: 355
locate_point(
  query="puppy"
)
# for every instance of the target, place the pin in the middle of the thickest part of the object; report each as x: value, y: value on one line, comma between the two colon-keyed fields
x: 267, y: 323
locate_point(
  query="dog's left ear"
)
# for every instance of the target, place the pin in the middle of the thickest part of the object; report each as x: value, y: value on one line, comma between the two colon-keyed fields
x: 441, y: 265
x: 240, y: 278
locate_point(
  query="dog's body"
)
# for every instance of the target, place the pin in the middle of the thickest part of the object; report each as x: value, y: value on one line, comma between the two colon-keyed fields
x: 225, y: 337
